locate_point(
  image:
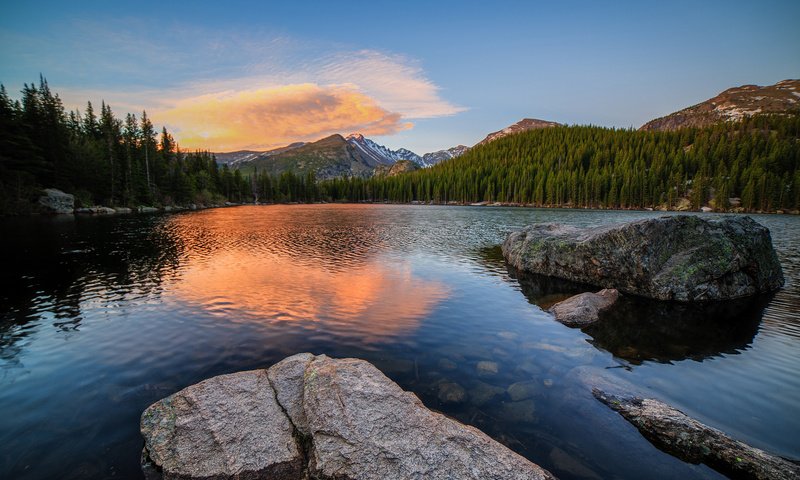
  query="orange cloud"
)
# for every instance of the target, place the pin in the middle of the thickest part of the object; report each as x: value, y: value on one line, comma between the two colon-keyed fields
x: 262, y: 118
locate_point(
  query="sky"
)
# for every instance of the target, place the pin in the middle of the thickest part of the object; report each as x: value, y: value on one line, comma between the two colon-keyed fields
x: 231, y: 75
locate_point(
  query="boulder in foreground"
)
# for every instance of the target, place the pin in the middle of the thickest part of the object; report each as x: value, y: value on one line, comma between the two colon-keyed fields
x: 317, y: 417
x: 585, y: 308
x: 684, y: 437
x: 683, y: 258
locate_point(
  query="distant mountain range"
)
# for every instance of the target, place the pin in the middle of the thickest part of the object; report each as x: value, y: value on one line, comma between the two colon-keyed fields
x: 335, y: 156
x: 733, y: 104
x: 358, y: 156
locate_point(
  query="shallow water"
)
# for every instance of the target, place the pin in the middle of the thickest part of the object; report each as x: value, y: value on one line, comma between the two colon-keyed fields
x: 99, y: 317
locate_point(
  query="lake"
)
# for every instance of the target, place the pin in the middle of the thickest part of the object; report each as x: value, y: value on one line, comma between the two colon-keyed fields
x: 101, y: 316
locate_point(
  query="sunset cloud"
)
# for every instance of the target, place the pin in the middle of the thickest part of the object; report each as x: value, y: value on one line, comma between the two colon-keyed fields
x: 261, y: 118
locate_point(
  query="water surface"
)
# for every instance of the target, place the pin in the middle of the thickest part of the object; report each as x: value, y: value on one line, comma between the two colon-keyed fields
x: 99, y: 317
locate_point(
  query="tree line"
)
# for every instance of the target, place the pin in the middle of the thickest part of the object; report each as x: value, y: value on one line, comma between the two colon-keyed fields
x: 751, y: 164
x: 101, y: 159
x: 104, y: 160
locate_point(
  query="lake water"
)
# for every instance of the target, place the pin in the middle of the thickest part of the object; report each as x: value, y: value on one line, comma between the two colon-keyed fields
x: 100, y: 317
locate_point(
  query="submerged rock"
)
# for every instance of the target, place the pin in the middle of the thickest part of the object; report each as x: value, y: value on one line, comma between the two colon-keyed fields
x: 481, y: 393
x: 585, y: 308
x: 450, y: 392
x: 684, y: 437
x: 522, y: 390
x: 683, y: 258
x: 56, y: 201
x: 316, y: 417
x: 486, y: 368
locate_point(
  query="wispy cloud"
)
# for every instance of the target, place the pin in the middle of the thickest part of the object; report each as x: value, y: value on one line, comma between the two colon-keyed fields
x: 230, y: 90
x: 269, y: 117
x: 398, y: 82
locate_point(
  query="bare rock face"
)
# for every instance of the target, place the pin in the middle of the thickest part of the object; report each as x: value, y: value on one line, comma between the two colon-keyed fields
x: 684, y: 437
x: 733, y: 104
x: 364, y: 426
x: 584, y: 309
x: 683, y: 258
x: 228, y: 426
x: 317, y: 417
x: 56, y: 201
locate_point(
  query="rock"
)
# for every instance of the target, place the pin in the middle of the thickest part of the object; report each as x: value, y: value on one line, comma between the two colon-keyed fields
x: 522, y: 390
x: 364, y: 426
x: 683, y: 257
x: 450, y: 392
x: 316, y: 417
x: 522, y: 411
x: 143, y: 209
x: 228, y: 426
x: 684, y: 437
x: 486, y: 368
x: 585, y: 308
x: 286, y: 378
x: 706, y: 209
x: 447, y: 364
x: 567, y: 463
x: 104, y: 211
x: 481, y: 393
x: 123, y: 210
x: 56, y: 201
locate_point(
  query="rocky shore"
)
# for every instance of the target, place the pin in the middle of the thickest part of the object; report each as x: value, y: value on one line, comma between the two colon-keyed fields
x: 315, y: 417
x: 57, y: 202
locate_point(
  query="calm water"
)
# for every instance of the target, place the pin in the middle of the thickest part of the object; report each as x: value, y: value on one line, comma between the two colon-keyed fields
x: 99, y: 317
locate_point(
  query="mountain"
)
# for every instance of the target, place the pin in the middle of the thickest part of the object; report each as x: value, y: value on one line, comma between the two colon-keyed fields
x: 400, y: 166
x: 235, y: 159
x: 522, y: 126
x: 331, y: 157
x: 379, y: 153
x: 430, y: 159
x: 335, y: 156
x: 733, y: 104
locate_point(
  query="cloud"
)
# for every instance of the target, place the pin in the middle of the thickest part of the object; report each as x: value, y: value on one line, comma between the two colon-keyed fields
x: 398, y: 83
x: 262, y: 118
x: 225, y: 89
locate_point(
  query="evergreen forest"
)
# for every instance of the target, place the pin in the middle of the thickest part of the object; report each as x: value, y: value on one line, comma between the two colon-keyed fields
x: 751, y: 165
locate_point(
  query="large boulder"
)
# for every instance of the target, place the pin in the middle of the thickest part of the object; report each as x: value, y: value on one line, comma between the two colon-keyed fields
x: 228, y: 426
x: 684, y: 437
x: 56, y: 201
x: 684, y: 258
x: 335, y: 418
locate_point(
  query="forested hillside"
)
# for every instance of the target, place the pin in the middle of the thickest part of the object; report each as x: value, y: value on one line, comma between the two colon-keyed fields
x: 755, y: 160
x: 99, y: 158
x: 105, y: 160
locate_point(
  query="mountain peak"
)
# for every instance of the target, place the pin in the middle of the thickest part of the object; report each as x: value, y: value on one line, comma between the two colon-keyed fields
x: 523, y: 125
x: 355, y: 136
x: 733, y: 104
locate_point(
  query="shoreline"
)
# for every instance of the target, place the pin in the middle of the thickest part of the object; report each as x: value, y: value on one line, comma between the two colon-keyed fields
x: 100, y: 210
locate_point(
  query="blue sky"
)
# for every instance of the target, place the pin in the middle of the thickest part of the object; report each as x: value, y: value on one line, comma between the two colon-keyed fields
x: 420, y: 75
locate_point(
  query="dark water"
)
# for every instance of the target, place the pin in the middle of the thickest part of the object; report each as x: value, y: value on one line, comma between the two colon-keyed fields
x: 99, y: 317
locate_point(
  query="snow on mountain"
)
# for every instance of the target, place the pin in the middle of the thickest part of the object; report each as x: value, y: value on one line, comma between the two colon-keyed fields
x: 387, y: 156
x: 430, y: 159
x: 379, y: 153
x: 236, y: 159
